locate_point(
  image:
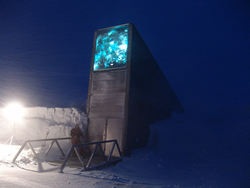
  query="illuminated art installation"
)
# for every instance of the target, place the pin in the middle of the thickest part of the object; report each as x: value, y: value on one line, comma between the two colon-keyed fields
x: 111, y: 48
x: 127, y: 90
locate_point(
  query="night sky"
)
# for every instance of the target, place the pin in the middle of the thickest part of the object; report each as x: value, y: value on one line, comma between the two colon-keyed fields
x: 201, y: 46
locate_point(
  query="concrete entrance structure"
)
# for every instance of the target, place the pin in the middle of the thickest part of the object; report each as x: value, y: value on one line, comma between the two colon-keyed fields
x: 127, y: 90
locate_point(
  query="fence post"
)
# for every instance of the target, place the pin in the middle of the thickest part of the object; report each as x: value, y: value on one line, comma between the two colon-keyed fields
x: 91, y: 157
x: 60, y: 148
x: 111, y: 151
x: 50, y: 146
x: 79, y: 156
x: 66, y: 159
x: 32, y: 150
x: 19, y: 151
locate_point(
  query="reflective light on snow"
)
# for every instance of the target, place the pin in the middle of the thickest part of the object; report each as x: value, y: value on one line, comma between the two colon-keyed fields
x: 8, y: 152
x: 111, y: 48
x: 13, y: 111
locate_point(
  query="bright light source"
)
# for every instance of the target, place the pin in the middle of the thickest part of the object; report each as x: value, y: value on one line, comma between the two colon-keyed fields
x: 14, y: 111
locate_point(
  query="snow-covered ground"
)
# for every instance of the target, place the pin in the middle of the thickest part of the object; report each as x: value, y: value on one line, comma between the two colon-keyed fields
x: 202, y: 47
x: 207, y: 151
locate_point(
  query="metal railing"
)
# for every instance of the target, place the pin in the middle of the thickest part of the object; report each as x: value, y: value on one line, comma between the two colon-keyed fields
x: 28, y: 142
x: 107, y: 160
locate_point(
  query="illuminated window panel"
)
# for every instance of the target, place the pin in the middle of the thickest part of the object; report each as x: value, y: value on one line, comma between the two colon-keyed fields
x: 111, y: 48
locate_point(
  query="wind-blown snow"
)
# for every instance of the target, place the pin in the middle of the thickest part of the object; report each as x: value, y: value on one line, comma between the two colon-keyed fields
x: 211, y: 151
x: 34, y: 125
x: 37, y: 121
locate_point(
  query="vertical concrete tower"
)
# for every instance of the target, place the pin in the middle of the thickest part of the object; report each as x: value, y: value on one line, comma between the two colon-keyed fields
x: 127, y: 90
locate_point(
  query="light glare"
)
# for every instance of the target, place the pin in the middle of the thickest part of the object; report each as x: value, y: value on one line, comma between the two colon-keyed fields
x: 13, y: 111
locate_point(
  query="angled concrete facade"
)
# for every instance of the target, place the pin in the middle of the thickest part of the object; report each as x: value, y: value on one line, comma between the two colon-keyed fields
x: 127, y: 89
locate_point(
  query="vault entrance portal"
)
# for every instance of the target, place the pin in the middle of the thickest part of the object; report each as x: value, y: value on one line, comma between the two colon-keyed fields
x: 127, y: 89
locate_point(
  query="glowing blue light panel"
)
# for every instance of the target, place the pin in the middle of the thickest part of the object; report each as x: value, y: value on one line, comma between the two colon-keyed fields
x: 111, y: 48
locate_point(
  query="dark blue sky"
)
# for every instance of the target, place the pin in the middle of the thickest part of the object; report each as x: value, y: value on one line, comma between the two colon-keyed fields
x: 201, y: 46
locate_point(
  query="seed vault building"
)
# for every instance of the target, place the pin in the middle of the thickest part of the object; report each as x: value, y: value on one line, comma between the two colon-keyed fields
x: 127, y: 89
